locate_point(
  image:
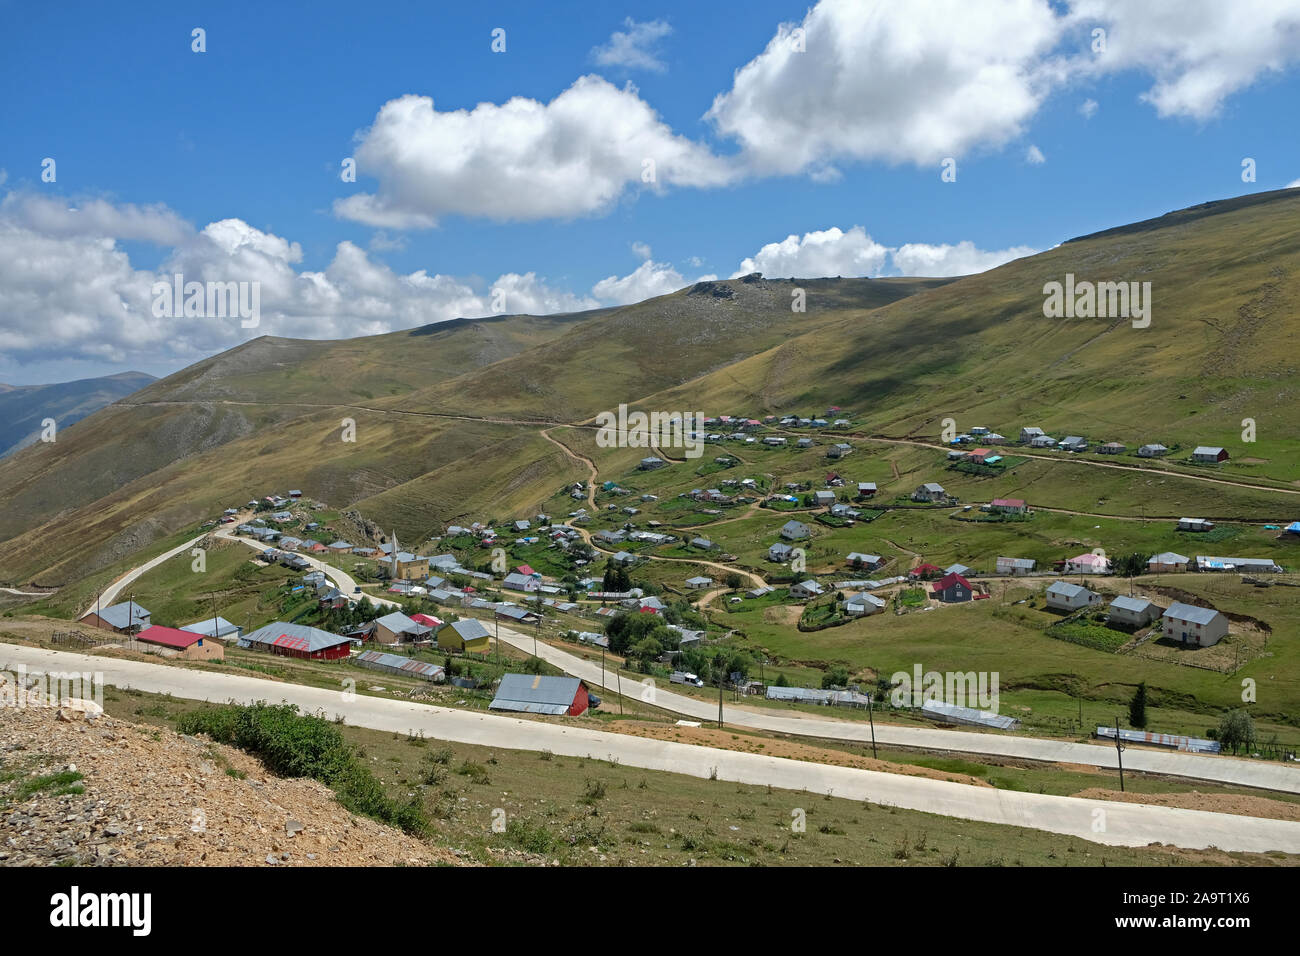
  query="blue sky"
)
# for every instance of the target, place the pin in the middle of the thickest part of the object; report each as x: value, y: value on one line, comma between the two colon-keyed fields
x: 153, y: 142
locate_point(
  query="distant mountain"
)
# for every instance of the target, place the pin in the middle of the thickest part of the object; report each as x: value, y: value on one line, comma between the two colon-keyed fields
x: 24, y: 407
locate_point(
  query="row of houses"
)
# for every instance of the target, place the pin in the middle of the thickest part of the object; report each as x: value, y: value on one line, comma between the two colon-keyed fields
x: 1186, y: 623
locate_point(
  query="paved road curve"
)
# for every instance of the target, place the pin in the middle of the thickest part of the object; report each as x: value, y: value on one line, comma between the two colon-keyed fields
x: 1118, y: 824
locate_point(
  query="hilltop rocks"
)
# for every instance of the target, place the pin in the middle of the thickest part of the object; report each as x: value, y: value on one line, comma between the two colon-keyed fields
x: 719, y: 290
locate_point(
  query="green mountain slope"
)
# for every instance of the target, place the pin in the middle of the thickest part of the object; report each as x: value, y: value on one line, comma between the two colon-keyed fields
x: 449, y: 417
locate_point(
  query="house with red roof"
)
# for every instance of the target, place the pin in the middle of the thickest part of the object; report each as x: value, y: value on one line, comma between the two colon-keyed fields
x: 1010, y: 506
x: 924, y: 571
x: 952, y: 588
x: 170, y: 642
x: 525, y: 569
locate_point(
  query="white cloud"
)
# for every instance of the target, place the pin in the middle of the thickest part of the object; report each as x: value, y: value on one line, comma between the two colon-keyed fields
x: 853, y: 81
x: 1293, y: 184
x: 523, y: 160
x: 1034, y: 156
x: 641, y: 250
x: 1199, y: 52
x: 94, y: 218
x: 69, y: 291
x: 899, y: 82
x: 963, y: 258
x: 830, y: 252
x: 650, y: 279
x: 835, y: 252
x: 634, y: 49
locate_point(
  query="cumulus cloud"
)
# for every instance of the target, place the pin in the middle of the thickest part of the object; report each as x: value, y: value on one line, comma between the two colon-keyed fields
x: 963, y: 258
x: 1199, y: 52
x: 830, y: 252
x: 1034, y: 156
x: 94, y: 218
x: 900, y: 82
x: 634, y: 48
x: 836, y: 252
x: 650, y: 279
x: 854, y: 81
x: 641, y: 250
x: 1088, y: 108
x: 69, y: 291
x: 523, y: 160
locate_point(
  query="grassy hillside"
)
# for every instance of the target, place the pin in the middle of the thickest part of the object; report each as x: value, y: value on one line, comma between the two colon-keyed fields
x: 449, y: 416
x: 1225, y: 287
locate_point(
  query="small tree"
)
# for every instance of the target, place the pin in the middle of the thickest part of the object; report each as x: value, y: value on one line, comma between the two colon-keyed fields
x: 836, y: 676
x: 1137, y: 707
x: 734, y: 580
x: 1237, y: 730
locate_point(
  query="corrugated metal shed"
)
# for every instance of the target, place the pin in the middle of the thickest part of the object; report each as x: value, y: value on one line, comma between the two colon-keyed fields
x: 395, y: 664
x: 1175, y: 741
x: 536, y: 694
x: 968, y: 715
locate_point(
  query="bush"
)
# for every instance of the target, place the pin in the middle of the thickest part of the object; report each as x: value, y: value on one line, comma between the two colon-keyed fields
x: 291, y: 744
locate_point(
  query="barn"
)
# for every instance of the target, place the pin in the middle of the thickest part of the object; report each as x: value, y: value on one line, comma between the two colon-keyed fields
x: 298, y: 640
x: 539, y: 694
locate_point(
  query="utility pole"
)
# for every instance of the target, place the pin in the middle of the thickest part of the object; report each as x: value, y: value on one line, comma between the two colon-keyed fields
x: 871, y: 702
x: 1119, y: 750
x: 618, y: 674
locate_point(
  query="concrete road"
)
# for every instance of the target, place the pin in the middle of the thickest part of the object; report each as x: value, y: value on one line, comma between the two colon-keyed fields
x: 1105, y: 822
x: 1250, y: 773
x: 109, y: 595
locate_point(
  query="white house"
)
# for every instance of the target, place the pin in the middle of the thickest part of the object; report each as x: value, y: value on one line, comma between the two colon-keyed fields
x: 1088, y: 564
x: 1134, y: 611
x: 1070, y: 597
x: 1195, y: 524
x: 807, y: 589
x: 794, y: 530
x: 930, y: 491
x: 1202, y: 626
x: 699, y: 583
x: 1016, y: 566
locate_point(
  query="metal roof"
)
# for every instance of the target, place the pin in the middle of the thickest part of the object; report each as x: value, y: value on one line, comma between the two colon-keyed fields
x: 1191, y: 612
x: 968, y: 715
x: 298, y: 637
x: 212, y: 627
x: 536, y: 694
x: 469, y: 628
x: 400, y: 665
x: 126, y: 614
x: 168, y: 637
x: 1137, y: 605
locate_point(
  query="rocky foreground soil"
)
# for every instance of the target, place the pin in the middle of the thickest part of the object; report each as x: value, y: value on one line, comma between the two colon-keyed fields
x: 80, y: 787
